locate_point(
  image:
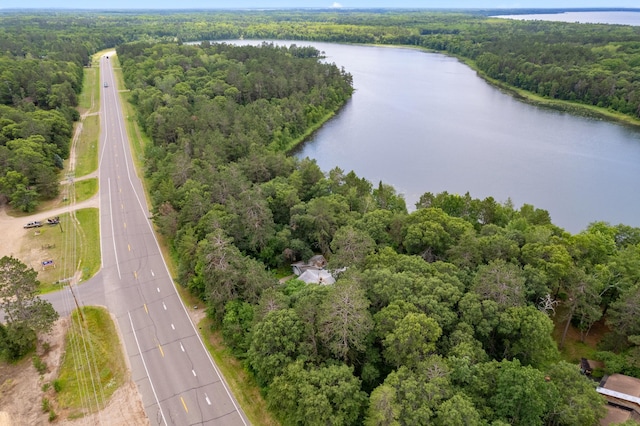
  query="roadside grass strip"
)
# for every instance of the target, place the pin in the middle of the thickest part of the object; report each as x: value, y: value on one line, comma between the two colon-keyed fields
x: 93, y: 367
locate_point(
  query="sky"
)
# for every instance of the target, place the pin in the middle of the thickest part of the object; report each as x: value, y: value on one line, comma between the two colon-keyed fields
x: 238, y: 4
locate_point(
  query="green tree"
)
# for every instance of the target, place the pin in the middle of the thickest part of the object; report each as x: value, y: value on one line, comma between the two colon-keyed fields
x: 350, y: 248
x: 577, y: 403
x: 384, y: 409
x: 623, y: 316
x: 411, y: 341
x: 16, y: 340
x: 344, y: 321
x: 410, y: 396
x: 317, y: 396
x: 25, y: 313
x: 525, y: 334
x: 431, y: 232
x: 24, y: 198
x: 583, y: 303
x: 236, y: 325
x: 387, y: 318
x: 521, y: 394
x: 502, y: 282
x: 275, y: 343
x: 458, y: 411
x: 19, y: 296
x: 308, y: 304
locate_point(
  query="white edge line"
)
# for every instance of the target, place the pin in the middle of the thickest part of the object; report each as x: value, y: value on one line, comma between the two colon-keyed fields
x: 144, y: 364
x: 195, y: 331
x: 113, y: 235
x: 123, y: 138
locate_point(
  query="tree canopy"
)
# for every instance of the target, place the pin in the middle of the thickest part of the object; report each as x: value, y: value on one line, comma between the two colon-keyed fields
x: 441, y: 314
x: 25, y: 314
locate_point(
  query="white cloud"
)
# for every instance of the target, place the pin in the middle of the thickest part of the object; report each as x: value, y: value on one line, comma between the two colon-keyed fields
x: 336, y: 4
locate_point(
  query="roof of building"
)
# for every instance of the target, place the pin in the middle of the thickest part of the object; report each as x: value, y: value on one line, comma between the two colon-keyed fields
x: 317, y: 276
x: 615, y: 415
x: 622, y: 384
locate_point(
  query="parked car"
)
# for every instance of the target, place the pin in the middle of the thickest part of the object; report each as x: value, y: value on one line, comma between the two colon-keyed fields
x: 106, y: 84
x: 34, y: 224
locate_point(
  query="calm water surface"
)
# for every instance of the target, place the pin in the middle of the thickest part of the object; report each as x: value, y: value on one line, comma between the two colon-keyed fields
x: 618, y: 18
x: 426, y: 122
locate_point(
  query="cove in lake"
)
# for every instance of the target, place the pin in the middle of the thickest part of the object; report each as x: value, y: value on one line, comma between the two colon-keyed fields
x: 425, y: 122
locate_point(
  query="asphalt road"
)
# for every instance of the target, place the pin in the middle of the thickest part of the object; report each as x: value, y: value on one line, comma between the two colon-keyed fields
x: 178, y: 380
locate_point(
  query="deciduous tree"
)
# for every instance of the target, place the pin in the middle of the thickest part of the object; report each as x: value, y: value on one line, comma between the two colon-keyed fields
x: 344, y: 321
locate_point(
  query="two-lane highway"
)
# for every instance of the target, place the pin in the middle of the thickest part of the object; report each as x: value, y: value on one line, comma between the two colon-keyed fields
x: 178, y: 380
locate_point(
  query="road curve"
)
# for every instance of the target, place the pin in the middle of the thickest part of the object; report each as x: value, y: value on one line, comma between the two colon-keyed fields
x: 178, y: 380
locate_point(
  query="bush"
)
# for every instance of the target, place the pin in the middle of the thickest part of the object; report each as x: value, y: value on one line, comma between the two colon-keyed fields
x: 46, y: 405
x: 39, y: 364
x: 57, y: 385
x: 16, y: 340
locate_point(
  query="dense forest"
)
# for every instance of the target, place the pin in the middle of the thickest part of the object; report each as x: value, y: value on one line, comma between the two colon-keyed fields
x: 438, y: 315
x: 40, y: 77
x: 441, y: 315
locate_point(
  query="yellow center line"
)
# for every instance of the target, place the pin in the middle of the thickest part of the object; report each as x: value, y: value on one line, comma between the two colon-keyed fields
x: 125, y: 224
x: 135, y: 274
x: 128, y: 245
x: 184, y: 405
x: 145, y: 308
x: 162, y: 353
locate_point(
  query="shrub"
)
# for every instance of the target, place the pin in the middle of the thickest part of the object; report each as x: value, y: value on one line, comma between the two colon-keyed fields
x: 39, y: 364
x: 46, y: 405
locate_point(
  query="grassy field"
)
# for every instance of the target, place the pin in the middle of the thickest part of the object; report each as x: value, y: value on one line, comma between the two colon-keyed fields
x: 95, y: 339
x: 74, y: 243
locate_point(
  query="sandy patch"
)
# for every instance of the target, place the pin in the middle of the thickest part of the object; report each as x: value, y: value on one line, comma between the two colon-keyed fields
x: 21, y: 391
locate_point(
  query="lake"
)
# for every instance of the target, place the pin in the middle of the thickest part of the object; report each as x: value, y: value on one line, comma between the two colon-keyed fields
x: 599, y: 17
x: 425, y: 122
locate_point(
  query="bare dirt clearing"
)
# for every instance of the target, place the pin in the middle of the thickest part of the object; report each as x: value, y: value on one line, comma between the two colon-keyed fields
x: 21, y: 392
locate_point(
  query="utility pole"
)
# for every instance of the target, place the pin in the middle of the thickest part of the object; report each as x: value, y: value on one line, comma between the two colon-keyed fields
x: 76, y: 300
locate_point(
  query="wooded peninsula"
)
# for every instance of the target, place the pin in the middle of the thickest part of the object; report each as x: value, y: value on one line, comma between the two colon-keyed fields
x: 443, y: 315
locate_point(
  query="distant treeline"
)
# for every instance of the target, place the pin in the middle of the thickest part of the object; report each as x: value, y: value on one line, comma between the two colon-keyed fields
x: 42, y: 55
